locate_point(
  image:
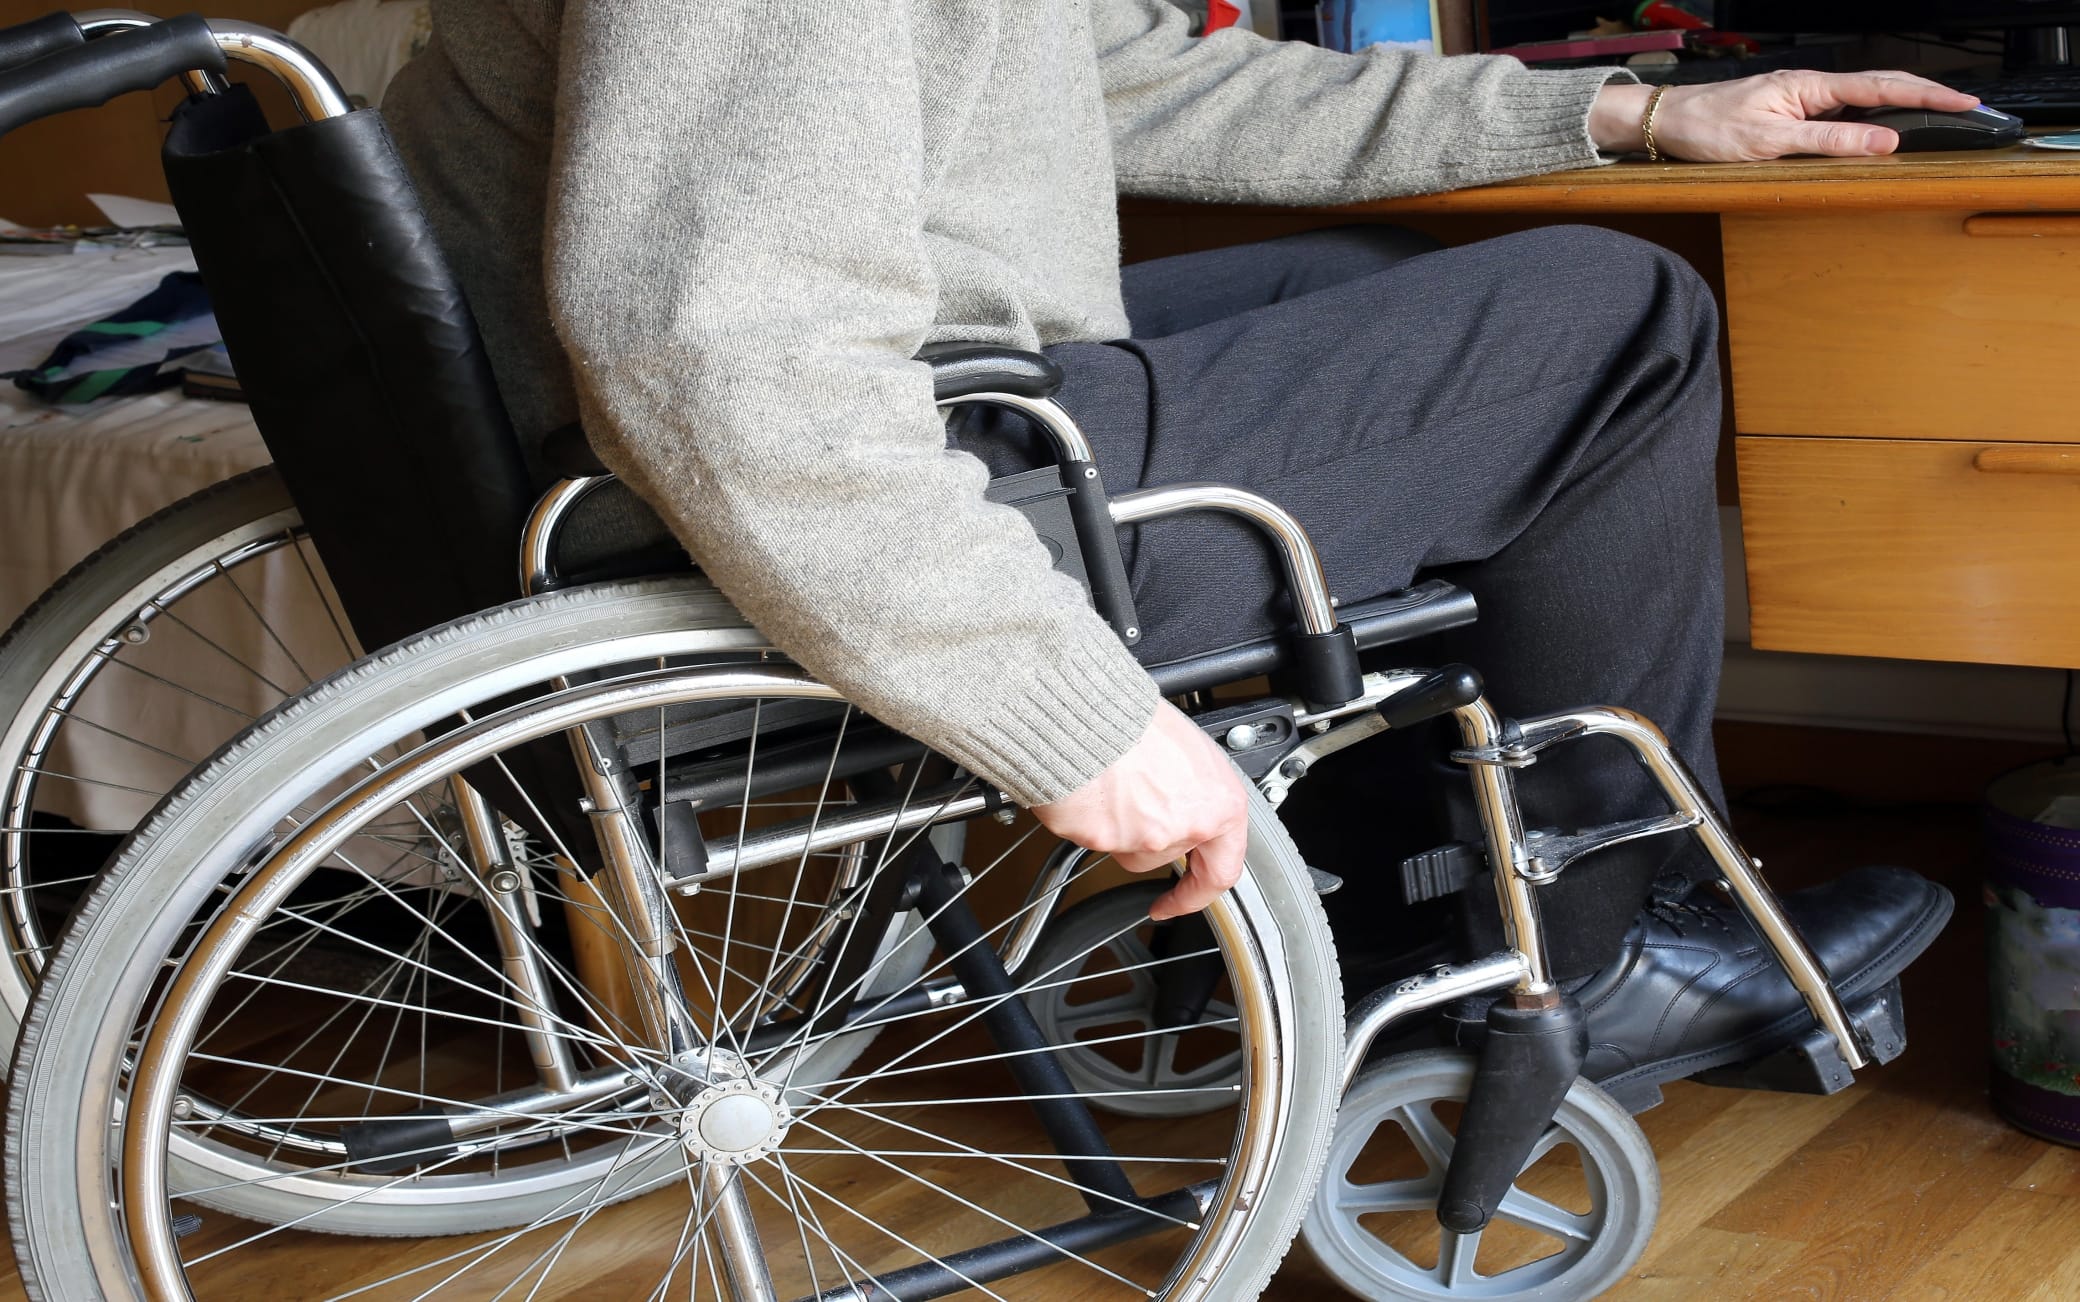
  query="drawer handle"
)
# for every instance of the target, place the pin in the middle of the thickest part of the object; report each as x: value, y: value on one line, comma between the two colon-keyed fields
x: 2028, y: 461
x: 2024, y: 225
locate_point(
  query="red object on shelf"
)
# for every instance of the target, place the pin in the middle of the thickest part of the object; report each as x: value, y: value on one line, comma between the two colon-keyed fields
x: 1661, y: 15
x: 1221, y: 13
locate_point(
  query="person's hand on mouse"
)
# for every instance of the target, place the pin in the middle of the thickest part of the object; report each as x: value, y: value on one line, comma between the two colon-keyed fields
x: 1770, y: 116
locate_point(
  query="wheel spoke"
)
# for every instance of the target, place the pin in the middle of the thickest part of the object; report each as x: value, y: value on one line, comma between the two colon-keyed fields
x: 1535, y: 1213
x: 1386, y: 1196
x: 1455, y: 1255
x: 1432, y: 1141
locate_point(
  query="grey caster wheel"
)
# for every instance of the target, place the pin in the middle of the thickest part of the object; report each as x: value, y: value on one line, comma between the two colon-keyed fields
x: 1102, y: 987
x: 1578, y: 1218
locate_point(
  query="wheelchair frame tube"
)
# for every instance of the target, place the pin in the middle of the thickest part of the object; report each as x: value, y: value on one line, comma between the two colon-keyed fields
x: 1296, y: 553
x: 1389, y: 1004
x: 1090, y: 509
x: 788, y: 841
x: 313, y: 88
x: 1312, y: 602
x: 310, y: 83
x: 1755, y: 897
x: 1502, y: 821
x: 544, y: 524
x: 498, y: 884
x: 735, y: 1233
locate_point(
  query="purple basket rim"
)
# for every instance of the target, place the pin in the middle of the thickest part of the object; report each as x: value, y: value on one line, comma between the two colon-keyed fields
x: 2006, y: 824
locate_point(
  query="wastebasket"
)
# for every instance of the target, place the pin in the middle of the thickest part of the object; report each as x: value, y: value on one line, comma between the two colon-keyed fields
x: 2032, y: 833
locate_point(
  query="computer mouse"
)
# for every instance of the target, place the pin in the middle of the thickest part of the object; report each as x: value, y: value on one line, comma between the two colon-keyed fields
x: 1919, y: 129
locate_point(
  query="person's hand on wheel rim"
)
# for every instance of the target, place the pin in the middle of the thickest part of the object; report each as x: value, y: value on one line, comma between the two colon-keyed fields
x: 1174, y: 796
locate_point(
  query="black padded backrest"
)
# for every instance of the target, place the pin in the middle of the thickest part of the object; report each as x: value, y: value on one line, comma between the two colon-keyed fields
x: 359, y: 356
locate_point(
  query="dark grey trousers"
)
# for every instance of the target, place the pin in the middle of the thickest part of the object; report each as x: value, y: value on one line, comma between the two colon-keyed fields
x: 1534, y: 418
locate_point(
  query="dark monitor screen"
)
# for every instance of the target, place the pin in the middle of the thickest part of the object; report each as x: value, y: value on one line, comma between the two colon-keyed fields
x: 1511, y: 22
x: 1891, y: 15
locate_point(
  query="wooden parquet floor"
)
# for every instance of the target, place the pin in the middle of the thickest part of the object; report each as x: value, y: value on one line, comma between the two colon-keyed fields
x: 1905, y: 1187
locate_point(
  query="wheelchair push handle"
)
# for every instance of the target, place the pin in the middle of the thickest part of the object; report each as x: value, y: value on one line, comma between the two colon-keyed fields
x: 30, y: 41
x: 95, y: 72
x: 120, y: 51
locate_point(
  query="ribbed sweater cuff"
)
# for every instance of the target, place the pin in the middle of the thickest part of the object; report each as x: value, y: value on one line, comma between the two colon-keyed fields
x: 1063, y: 725
x: 1546, y: 127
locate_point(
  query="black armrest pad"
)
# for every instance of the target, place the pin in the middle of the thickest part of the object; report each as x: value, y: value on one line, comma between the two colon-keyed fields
x: 959, y: 370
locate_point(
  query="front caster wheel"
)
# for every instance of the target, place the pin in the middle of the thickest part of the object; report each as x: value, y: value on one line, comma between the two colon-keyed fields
x: 1574, y: 1222
x: 1099, y: 987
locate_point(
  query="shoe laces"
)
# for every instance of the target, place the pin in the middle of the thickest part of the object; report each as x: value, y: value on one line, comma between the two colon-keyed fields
x: 1678, y: 912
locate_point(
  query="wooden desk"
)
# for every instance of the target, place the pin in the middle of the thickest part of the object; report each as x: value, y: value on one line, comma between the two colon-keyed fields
x: 1903, y: 339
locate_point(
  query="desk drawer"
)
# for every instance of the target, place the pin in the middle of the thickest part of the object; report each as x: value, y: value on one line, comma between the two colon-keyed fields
x: 1919, y: 550
x: 1905, y: 325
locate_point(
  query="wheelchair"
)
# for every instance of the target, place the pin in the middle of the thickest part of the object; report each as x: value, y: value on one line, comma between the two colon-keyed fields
x: 588, y: 921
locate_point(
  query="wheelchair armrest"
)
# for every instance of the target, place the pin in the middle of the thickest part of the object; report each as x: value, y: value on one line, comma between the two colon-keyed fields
x: 1431, y: 606
x: 960, y: 370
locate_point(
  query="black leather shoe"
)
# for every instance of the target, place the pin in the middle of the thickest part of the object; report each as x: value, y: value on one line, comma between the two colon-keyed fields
x: 1694, y: 986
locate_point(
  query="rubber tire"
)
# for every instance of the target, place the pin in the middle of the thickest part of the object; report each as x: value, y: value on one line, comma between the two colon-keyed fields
x: 67, y: 1238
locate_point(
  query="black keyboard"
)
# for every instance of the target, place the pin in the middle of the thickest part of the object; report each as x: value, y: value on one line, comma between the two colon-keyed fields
x: 2045, y: 97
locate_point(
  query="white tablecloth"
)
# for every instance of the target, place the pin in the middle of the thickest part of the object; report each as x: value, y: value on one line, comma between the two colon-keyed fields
x: 71, y: 478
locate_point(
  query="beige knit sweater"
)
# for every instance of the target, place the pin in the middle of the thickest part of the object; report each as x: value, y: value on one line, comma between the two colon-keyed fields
x: 721, y: 231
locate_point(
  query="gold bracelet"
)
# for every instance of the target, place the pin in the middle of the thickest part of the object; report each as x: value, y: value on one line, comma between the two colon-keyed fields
x: 1646, y: 125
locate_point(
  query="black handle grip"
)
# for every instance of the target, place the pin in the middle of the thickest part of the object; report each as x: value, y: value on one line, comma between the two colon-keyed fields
x: 98, y: 71
x: 1440, y: 692
x: 30, y: 41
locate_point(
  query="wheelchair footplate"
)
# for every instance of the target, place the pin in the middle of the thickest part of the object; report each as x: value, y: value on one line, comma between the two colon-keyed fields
x: 1813, y: 1063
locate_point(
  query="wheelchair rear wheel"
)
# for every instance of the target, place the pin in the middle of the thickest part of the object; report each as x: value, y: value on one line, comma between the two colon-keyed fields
x: 186, y: 1053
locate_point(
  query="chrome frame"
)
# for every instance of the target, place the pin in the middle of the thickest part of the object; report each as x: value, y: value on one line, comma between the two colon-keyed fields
x: 311, y: 85
x: 1053, y: 419
x: 634, y: 883
x: 786, y: 842
x: 1753, y: 894
x: 545, y: 524
x: 1521, y: 967
x: 497, y: 881
x: 1303, y: 566
x: 313, y: 88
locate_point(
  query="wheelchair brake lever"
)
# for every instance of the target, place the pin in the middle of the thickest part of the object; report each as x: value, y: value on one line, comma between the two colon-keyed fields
x: 1361, y: 717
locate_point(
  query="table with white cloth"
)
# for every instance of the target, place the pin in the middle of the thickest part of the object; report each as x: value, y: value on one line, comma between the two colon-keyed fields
x: 73, y: 477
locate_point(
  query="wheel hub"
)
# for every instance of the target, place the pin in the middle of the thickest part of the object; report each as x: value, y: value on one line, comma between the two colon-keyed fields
x: 734, y: 1121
